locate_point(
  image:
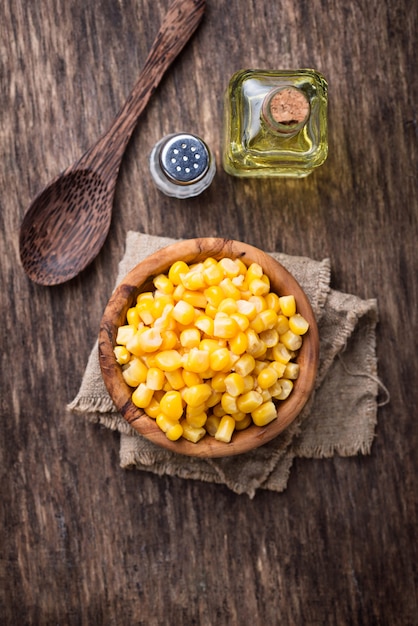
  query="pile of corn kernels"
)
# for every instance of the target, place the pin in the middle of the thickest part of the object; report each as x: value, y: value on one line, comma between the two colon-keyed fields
x: 211, y: 349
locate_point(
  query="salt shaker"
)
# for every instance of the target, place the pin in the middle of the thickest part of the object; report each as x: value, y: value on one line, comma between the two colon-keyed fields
x: 182, y: 165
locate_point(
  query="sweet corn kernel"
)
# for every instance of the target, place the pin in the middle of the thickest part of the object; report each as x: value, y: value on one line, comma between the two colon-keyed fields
x: 288, y: 305
x: 245, y: 364
x: 176, y: 270
x: 279, y: 367
x: 213, y: 274
x: 149, y: 340
x: 230, y: 267
x: 254, y: 271
x: 273, y: 301
x: 197, y: 421
x: 282, y: 325
x: 281, y: 353
x: 192, y: 411
x: 163, y: 284
x: 259, y: 302
x: 267, y: 377
x: 298, y: 324
x: 132, y: 316
x: 249, y: 401
x: 225, y: 429
x: 190, y: 338
x: 224, y: 327
x: 153, y: 408
x: 191, y: 378
x: 247, y: 308
x: 164, y: 422
x: 196, y: 360
x: 234, y: 384
x: 122, y: 355
x: 228, y: 306
x: 229, y: 289
x: 155, y: 378
x: 142, y: 396
x: 168, y: 360
x: 193, y: 280
x: 184, y: 313
x: 292, y: 371
x: 249, y: 383
x: 287, y: 386
x: 219, y: 359
x: 124, y: 334
x: 264, y: 414
x: 144, y: 309
x: 258, y: 287
x: 218, y: 410
x: 178, y: 292
x: 191, y: 433
x: 170, y: 340
x: 229, y: 403
x: 242, y: 320
x: 175, y: 379
x: 239, y: 343
x: 135, y: 372
x: 205, y: 324
x: 218, y: 382
x: 244, y: 423
x: 171, y: 404
x: 291, y: 341
x: 195, y: 298
x: 175, y: 432
x: 270, y: 337
x: 196, y: 395
x: 212, y: 424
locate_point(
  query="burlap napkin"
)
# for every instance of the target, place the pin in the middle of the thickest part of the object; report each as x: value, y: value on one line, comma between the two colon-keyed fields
x: 340, y: 417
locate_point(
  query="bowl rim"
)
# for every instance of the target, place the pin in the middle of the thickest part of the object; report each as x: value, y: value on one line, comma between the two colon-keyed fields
x: 139, y: 278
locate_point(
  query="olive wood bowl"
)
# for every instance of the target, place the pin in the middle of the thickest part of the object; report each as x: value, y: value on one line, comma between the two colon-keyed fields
x: 140, y: 279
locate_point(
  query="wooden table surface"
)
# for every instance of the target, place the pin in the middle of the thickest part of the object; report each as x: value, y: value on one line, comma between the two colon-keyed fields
x: 84, y: 542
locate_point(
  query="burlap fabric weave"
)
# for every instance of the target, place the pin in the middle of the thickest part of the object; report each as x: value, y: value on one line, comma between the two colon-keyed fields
x: 340, y: 417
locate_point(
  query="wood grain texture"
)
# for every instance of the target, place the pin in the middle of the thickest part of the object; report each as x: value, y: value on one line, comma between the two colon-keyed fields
x: 82, y: 541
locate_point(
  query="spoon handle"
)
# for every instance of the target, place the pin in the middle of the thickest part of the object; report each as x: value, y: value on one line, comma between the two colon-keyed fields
x: 179, y: 24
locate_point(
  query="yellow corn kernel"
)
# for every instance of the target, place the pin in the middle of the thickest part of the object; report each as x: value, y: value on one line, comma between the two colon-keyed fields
x: 255, y: 346
x: 247, y: 308
x: 259, y: 366
x: 225, y: 429
x: 224, y: 327
x: 219, y: 359
x: 205, y: 324
x: 209, y: 261
x: 287, y: 386
x: 258, y: 287
x: 229, y: 267
x: 163, y: 284
x: 193, y: 411
x: 218, y: 410
x: 184, y: 313
x: 267, y: 377
x: 229, y: 403
x: 176, y: 270
x: 259, y: 303
x: 292, y: 371
x: 193, y: 280
x: 214, y: 399
x: 162, y: 307
x: 298, y: 324
x: 149, y: 359
x: 212, y: 424
x: 135, y: 372
x: 291, y: 341
x: 191, y: 378
x: 229, y: 289
x: 249, y: 401
x: 168, y: 360
x: 164, y: 422
x: 211, y: 311
x: 153, y: 408
x: 281, y: 353
x: 273, y: 301
x: 264, y: 414
x: 242, y: 320
x: 149, y: 340
x: 175, y: 432
x: 196, y: 361
x: 213, y: 274
x: 279, y: 367
x: 125, y: 334
x: 175, y: 379
x: 171, y: 404
x: 218, y: 382
x: 270, y: 337
x: 239, y: 343
x: 249, y: 383
x: 197, y: 394
x: 239, y: 416
x: 245, y: 364
x: 282, y: 325
x: 144, y: 309
x: 214, y: 295
x: 244, y: 423
x: 190, y: 338
x: 134, y: 344
x: 275, y: 390
x: 288, y: 305
x: 234, y: 384
x: 155, y: 379
x: 197, y: 421
x: 178, y: 292
x: 265, y: 393
x: 191, y: 433
x: 228, y: 306
x: 142, y: 396
x: 132, y: 316
x: 195, y: 298
x: 254, y: 271
x: 210, y: 345
x: 122, y: 355
x: 170, y: 340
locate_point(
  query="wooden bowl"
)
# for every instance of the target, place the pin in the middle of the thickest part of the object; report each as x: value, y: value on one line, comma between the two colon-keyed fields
x: 140, y: 279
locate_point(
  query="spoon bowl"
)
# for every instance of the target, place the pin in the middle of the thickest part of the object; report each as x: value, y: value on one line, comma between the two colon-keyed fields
x: 67, y: 224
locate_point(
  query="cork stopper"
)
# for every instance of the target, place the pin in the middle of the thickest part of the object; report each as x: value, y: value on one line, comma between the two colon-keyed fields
x: 286, y: 110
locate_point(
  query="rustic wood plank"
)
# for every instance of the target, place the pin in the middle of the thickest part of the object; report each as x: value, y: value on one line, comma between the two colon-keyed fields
x: 84, y: 542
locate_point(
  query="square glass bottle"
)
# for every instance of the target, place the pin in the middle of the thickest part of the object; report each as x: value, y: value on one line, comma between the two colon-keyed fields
x: 275, y: 123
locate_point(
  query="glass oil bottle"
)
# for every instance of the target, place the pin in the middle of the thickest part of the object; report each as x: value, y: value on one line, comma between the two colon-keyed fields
x: 275, y: 123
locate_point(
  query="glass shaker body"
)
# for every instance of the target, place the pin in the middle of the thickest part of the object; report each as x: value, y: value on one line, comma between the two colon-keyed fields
x: 275, y: 123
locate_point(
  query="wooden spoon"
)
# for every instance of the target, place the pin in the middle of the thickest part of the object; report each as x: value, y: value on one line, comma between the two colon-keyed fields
x: 67, y: 224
